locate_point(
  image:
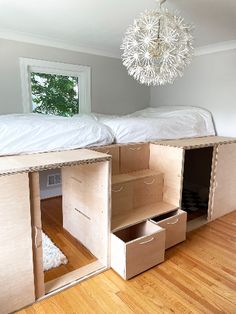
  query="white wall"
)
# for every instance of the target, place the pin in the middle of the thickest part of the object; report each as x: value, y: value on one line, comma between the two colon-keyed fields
x: 113, y: 91
x: 210, y: 82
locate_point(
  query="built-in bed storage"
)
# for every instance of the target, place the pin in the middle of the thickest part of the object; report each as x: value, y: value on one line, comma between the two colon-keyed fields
x: 151, y: 182
x: 86, y: 217
x: 144, y: 221
x: 146, y: 218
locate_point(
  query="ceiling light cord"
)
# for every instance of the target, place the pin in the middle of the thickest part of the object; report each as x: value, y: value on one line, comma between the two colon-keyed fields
x: 160, y: 2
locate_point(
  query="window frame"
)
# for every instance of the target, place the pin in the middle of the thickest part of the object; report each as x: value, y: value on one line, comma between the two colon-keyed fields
x: 27, y: 66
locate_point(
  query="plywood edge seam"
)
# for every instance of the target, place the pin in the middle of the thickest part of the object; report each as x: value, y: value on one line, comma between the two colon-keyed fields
x: 182, y: 179
x: 213, y: 181
x: 55, y: 166
x: 188, y: 147
x: 74, y: 277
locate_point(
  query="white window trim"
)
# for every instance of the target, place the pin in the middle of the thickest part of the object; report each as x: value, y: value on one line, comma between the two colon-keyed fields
x: 40, y: 66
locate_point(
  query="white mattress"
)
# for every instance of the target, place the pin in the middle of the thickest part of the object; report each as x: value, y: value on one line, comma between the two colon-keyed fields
x: 30, y: 133
x: 166, y: 122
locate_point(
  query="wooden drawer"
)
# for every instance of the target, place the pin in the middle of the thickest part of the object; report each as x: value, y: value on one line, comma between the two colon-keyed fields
x: 115, y: 153
x: 137, y: 248
x: 148, y: 190
x: 134, y: 157
x: 175, y: 224
x: 122, y: 197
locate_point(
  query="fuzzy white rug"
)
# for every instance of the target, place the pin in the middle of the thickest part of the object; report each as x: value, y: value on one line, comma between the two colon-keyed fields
x: 52, y: 255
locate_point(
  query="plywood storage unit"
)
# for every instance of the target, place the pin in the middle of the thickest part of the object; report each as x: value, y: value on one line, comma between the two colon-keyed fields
x: 137, y: 248
x: 86, y: 209
x: 206, y: 166
x: 137, y: 196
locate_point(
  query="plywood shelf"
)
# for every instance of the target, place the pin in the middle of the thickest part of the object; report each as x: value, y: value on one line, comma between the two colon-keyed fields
x: 131, y: 176
x: 140, y: 214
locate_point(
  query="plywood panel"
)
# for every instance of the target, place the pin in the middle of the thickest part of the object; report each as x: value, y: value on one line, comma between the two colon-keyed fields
x: 197, y: 142
x: 140, y: 214
x: 169, y: 161
x: 122, y: 197
x: 16, y: 266
x: 114, y: 151
x: 37, y: 162
x: 175, y: 226
x: 37, y: 234
x: 134, y: 157
x: 224, y: 181
x: 74, y: 276
x: 136, y: 249
x: 86, y: 205
x: 148, y: 190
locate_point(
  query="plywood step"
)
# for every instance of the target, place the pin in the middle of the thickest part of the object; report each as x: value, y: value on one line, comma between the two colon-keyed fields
x: 131, y: 176
x: 133, y: 216
x: 136, y: 189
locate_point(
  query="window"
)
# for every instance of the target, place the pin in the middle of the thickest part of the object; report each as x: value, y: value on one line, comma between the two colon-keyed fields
x: 55, y: 88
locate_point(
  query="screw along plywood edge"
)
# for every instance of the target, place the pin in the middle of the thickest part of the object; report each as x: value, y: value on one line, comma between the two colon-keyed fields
x: 45, y: 161
x: 198, y: 142
x: 16, y: 266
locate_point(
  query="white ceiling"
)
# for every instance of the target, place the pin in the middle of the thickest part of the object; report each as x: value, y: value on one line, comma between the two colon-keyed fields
x: 98, y: 26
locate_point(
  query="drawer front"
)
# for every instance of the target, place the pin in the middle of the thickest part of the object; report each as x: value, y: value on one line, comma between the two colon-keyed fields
x: 175, y: 228
x: 144, y: 253
x: 148, y: 190
x: 115, y: 153
x: 122, y: 197
x: 134, y: 157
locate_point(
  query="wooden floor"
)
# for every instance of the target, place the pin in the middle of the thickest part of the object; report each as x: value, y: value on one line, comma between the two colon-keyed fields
x: 198, y: 276
x: 76, y: 253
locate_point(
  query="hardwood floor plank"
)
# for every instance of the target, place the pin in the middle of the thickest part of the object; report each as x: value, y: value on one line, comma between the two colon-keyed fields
x: 198, y: 276
x: 75, y: 252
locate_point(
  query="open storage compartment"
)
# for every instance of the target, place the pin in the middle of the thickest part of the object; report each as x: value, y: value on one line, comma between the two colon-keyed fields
x: 175, y: 225
x: 77, y: 224
x: 138, y: 190
x: 197, y: 181
x: 137, y: 248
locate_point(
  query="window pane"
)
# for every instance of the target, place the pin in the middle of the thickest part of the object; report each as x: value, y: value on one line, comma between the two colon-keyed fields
x: 55, y: 94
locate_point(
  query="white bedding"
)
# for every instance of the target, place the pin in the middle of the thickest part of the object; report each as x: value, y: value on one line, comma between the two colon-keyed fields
x: 30, y: 133
x: 166, y: 122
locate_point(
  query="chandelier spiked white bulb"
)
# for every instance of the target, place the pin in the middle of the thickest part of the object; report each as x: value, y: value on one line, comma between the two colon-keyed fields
x: 157, y: 47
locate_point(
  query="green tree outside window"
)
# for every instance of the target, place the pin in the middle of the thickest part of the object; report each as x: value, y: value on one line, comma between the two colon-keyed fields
x: 55, y: 94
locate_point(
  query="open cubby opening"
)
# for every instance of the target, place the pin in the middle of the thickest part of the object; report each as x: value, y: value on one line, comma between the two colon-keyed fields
x: 71, y: 230
x: 196, y: 181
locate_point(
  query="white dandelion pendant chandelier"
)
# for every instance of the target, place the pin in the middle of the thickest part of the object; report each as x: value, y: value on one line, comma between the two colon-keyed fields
x: 157, y: 47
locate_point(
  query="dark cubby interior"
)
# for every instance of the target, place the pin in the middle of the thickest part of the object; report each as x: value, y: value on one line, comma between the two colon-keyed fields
x: 196, y: 182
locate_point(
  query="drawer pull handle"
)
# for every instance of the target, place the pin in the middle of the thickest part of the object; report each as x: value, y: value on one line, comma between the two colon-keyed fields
x: 173, y: 223
x: 37, y: 233
x: 135, y: 148
x: 118, y: 190
x: 150, y: 240
x: 149, y: 183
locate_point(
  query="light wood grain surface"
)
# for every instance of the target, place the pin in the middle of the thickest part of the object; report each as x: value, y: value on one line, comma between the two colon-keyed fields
x: 16, y: 266
x: 198, y: 276
x: 206, y: 141
x: 43, y: 161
